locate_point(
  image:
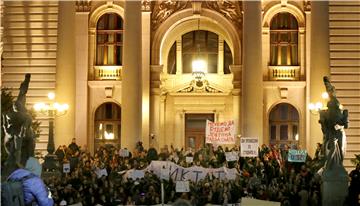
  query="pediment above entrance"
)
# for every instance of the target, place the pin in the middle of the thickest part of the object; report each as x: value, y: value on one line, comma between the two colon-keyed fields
x: 199, y: 87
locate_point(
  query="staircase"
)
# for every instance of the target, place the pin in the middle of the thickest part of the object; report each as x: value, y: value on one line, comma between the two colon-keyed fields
x: 345, y: 67
x: 30, y: 45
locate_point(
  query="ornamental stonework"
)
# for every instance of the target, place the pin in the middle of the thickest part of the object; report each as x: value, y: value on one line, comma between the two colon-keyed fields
x: 161, y: 10
x: 307, y: 5
x: 231, y: 10
x: 83, y: 5
x: 145, y: 5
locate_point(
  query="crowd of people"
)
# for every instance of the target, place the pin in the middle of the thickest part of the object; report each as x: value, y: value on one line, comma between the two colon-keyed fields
x: 268, y: 177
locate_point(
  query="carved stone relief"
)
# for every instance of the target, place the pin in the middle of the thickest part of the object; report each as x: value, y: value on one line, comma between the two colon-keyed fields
x: 161, y: 10
x: 229, y: 9
x: 83, y: 5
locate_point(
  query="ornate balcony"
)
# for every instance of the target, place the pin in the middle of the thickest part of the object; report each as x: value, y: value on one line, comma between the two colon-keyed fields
x: 284, y: 73
x: 107, y: 72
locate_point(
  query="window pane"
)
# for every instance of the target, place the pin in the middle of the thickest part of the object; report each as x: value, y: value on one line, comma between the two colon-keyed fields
x: 171, y: 64
x: 283, y: 132
x: 228, y: 60
x: 295, y: 132
x: 273, y: 132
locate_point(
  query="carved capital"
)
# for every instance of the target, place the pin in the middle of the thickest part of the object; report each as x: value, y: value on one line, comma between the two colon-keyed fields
x: 83, y: 5
x: 145, y: 5
x: 307, y: 5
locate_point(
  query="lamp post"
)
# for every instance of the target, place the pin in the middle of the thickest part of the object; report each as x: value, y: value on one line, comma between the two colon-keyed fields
x: 51, y: 110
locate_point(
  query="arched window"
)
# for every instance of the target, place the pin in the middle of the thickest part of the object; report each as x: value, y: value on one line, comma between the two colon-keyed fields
x: 109, y: 40
x: 284, y: 124
x: 284, y: 40
x: 200, y: 44
x: 107, y: 124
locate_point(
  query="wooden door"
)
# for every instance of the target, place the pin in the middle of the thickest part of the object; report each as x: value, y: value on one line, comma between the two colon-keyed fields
x: 195, y: 126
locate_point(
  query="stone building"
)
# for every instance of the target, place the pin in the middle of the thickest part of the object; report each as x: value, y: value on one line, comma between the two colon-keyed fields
x: 126, y: 68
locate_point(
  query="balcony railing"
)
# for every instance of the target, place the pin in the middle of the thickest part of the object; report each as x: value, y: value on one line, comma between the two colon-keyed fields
x: 107, y: 72
x: 284, y: 72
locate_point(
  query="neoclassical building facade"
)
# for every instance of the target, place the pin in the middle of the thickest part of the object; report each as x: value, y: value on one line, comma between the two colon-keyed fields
x: 155, y: 71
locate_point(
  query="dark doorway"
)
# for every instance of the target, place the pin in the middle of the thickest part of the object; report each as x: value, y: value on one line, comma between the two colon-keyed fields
x: 195, y: 126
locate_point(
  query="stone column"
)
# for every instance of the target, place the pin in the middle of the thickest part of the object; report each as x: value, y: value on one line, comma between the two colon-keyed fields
x: 178, y: 56
x: 1, y: 37
x: 131, y: 76
x: 319, y: 64
x: 252, y: 98
x: 146, y: 17
x: 220, y: 67
x: 65, y: 74
x: 81, y: 74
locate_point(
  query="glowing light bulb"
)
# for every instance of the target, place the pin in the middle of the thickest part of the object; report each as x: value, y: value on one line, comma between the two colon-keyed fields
x: 51, y: 95
x: 325, y: 95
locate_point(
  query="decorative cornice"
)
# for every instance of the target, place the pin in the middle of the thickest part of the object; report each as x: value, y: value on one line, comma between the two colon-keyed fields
x: 161, y: 10
x: 231, y: 10
x: 83, y: 5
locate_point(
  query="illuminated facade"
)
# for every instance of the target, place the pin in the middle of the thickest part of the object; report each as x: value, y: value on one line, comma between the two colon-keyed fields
x: 126, y: 68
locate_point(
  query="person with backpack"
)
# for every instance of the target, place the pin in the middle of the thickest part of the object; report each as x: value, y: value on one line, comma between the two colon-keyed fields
x: 25, y: 187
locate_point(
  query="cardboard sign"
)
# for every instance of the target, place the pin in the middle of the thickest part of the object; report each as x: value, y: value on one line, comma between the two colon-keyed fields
x: 297, y: 155
x: 249, y: 147
x: 182, y: 186
x: 124, y: 153
x: 101, y: 172
x: 189, y: 159
x: 232, y: 156
x: 137, y: 174
x: 66, y: 167
x: 220, y: 132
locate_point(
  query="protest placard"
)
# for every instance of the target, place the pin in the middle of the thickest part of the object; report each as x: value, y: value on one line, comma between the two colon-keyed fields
x: 297, y: 155
x: 182, y: 186
x: 164, y: 173
x: 220, y: 132
x: 124, y: 153
x: 189, y: 159
x: 232, y: 156
x: 66, y: 167
x: 101, y: 172
x: 249, y: 147
x: 137, y: 174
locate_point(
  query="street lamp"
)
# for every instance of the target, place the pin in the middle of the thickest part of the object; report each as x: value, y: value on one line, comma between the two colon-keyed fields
x: 51, y: 110
x: 317, y: 107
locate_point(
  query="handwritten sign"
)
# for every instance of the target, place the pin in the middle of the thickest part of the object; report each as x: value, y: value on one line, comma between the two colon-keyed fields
x: 66, y: 167
x: 137, y: 174
x: 220, y: 132
x: 297, y: 155
x: 182, y: 186
x: 232, y: 156
x: 249, y: 147
x: 124, y: 153
x: 165, y: 173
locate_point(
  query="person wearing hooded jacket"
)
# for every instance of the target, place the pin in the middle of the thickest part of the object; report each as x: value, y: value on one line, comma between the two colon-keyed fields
x: 34, y: 189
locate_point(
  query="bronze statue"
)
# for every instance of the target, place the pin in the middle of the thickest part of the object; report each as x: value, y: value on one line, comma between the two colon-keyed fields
x: 19, y: 138
x: 333, y: 120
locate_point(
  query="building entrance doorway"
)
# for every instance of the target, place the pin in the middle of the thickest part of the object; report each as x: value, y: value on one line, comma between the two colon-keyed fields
x: 195, y: 126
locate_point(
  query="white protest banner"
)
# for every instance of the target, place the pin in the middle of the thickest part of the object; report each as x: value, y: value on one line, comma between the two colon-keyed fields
x: 66, y: 167
x: 165, y: 173
x: 124, y: 153
x: 189, y: 159
x: 297, y: 155
x: 232, y: 156
x: 249, y: 147
x: 220, y: 132
x: 182, y: 186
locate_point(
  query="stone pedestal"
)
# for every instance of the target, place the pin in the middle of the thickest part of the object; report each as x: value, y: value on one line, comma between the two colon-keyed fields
x: 334, y: 186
